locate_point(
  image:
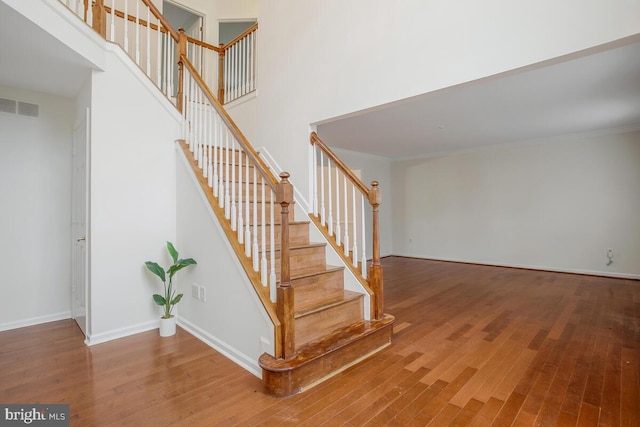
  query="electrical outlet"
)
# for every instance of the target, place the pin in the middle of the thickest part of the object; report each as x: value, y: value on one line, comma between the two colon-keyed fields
x: 610, y: 253
x: 195, y: 289
x: 203, y: 293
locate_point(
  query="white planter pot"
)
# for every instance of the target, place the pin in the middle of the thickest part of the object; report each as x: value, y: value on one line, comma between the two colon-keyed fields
x: 168, y: 327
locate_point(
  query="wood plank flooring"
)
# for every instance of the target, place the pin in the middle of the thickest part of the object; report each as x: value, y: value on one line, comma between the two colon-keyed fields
x: 473, y: 346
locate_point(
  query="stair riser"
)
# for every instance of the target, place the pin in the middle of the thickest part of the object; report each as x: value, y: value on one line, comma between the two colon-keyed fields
x: 328, y: 280
x: 303, y: 258
x: 314, y: 325
x: 298, y: 234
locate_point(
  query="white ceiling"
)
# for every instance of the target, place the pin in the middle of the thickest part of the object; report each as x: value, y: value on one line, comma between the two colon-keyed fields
x: 584, y: 93
x: 32, y: 59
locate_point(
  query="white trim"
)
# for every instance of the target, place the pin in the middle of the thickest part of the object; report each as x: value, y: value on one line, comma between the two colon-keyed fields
x: 239, y: 101
x: 35, y: 321
x: 221, y: 347
x: 614, y: 275
x: 122, y: 332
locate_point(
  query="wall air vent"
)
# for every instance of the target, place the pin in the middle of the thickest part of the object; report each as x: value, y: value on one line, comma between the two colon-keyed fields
x: 7, y: 106
x: 26, y: 109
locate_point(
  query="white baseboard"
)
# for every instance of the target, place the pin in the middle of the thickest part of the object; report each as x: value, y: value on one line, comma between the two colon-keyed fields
x: 614, y: 275
x: 231, y: 353
x: 35, y: 321
x: 122, y: 332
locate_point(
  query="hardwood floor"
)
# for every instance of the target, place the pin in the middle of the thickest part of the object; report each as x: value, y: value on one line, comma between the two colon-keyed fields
x: 473, y: 345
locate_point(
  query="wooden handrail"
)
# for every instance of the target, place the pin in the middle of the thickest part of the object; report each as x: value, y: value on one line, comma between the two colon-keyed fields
x: 141, y: 22
x: 162, y: 19
x: 246, y: 32
x: 263, y: 169
x: 203, y: 44
x: 315, y: 140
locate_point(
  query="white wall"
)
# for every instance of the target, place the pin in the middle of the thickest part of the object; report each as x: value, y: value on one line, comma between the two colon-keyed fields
x: 232, y: 319
x: 319, y: 59
x: 374, y: 168
x: 555, y: 204
x: 132, y: 196
x: 35, y: 217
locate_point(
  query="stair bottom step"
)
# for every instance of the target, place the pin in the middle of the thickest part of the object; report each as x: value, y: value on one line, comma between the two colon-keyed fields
x: 320, y: 359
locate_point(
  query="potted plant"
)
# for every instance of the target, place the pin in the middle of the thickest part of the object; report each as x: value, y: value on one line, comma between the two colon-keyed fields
x: 169, y: 299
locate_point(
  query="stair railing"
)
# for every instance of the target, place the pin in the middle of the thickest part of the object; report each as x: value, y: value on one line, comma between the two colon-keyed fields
x: 246, y: 193
x: 237, y: 66
x: 142, y: 32
x: 339, y: 200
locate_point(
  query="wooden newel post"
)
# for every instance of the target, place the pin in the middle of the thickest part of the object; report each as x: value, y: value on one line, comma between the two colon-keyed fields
x: 285, y: 297
x: 375, y: 271
x: 181, y: 52
x: 221, y: 74
x: 99, y: 13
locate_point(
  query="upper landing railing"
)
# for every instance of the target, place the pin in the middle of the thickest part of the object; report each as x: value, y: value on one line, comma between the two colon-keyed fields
x: 155, y: 46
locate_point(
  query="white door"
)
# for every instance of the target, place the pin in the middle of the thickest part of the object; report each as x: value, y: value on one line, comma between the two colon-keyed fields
x: 79, y: 208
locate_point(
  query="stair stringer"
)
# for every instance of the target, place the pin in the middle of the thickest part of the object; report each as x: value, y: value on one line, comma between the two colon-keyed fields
x: 233, y: 319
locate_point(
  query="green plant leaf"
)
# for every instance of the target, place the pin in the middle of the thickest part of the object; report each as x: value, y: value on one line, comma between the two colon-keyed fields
x: 156, y: 269
x: 172, y: 252
x: 159, y: 299
x: 179, y: 265
x: 176, y: 299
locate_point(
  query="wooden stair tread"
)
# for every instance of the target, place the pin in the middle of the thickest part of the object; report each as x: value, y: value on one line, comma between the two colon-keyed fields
x: 328, y: 343
x: 313, y: 299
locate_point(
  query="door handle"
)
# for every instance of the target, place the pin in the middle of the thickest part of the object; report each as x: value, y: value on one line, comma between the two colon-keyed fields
x: 80, y: 239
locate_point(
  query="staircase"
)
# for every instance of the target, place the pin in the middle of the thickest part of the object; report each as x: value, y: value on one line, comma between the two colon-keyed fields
x: 330, y: 331
x: 320, y: 327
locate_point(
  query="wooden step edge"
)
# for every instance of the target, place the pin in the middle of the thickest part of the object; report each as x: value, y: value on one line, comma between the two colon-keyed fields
x: 321, y: 359
x: 320, y: 305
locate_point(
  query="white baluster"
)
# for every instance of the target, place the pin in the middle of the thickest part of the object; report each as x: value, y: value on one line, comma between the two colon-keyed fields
x: 338, y: 230
x: 272, y: 276
x: 220, y: 164
x: 355, y: 227
x: 212, y: 151
x: 256, y: 263
x: 148, y: 43
x: 323, y: 217
x: 240, y: 211
x: 126, y: 26
x: 89, y: 14
x: 346, y: 219
x: 138, y: 32
x: 215, y: 178
x: 263, y: 260
x: 227, y: 198
x: 330, y: 219
x: 159, y: 55
x: 251, y: 62
x: 314, y: 186
x: 364, y: 243
x: 113, y: 21
x: 172, y: 55
x: 234, y: 213
x: 247, y: 204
